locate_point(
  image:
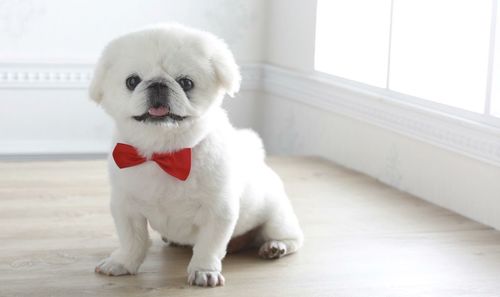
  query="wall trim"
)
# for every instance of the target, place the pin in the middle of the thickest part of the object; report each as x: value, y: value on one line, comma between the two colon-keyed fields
x: 473, y: 139
x: 78, y: 75
x: 45, y: 75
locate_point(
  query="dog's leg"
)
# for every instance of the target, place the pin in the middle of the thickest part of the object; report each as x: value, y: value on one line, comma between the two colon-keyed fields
x: 134, y: 242
x: 281, y: 234
x: 205, y: 266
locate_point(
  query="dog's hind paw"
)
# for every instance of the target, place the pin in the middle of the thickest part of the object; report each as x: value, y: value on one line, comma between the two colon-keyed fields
x: 272, y: 249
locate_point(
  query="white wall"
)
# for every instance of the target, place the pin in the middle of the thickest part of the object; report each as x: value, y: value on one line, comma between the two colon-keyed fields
x: 77, y: 30
x: 50, y: 36
x: 291, y: 34
x: 449, y: 179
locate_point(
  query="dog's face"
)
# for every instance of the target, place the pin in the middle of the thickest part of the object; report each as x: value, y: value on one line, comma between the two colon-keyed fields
x: 166, y: 76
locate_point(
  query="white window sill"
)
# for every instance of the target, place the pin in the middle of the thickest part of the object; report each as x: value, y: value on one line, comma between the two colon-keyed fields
x: 467, y: 133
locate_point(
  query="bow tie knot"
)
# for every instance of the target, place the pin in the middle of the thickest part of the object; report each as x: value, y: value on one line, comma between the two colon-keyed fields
x: 177, y: 164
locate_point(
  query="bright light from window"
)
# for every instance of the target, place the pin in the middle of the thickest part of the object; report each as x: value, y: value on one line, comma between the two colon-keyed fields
x: 440, y: 51
x: 352, y: 39
x: 437, y: 50
x: 495, y: 85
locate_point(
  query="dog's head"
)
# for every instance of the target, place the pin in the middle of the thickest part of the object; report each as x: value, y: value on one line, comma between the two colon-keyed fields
x: 165, y: 76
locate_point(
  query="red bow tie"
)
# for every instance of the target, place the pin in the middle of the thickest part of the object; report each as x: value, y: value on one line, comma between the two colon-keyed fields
x: 177, y: 164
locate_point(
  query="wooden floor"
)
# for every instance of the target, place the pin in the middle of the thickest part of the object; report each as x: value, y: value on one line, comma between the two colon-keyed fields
x: 362, y: 239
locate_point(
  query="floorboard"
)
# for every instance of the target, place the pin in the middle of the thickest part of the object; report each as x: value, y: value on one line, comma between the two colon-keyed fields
x: 362, y: 239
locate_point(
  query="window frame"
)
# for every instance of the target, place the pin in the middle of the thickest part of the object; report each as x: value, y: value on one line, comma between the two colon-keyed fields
x: 485, y: 118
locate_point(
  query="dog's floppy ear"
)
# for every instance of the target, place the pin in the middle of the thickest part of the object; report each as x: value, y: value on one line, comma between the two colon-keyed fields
x: 96, y: 85
x: 226, y: 69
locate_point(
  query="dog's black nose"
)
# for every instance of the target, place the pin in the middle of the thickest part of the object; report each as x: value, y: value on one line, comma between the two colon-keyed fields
x: 158, y: 94
x: 157, y: 86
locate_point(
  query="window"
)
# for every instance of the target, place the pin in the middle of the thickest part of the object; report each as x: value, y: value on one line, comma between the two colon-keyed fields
x: 353, y: 42
x: 441, y: 51
x: 495, y: 86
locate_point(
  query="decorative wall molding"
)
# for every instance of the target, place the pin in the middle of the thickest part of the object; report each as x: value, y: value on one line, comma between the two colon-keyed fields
x: 78, y: 76
x: 473, y: 139
x: 37, y: 75
x: 470, y: 138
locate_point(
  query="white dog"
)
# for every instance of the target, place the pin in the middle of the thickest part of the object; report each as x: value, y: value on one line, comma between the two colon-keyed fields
x: 178, y: 163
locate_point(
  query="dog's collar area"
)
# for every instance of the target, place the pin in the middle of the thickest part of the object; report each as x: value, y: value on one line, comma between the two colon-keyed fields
x: 176, y: 164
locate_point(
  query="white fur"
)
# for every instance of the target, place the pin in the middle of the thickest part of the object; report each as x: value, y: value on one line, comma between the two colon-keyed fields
x: 230, y: 189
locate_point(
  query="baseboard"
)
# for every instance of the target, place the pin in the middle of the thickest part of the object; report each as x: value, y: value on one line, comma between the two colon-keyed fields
x: 53, y: 157
x: 12, y: 148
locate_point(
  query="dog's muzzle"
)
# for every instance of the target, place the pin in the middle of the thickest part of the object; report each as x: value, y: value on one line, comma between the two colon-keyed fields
x: 158, y: 102
x: 158, y: 94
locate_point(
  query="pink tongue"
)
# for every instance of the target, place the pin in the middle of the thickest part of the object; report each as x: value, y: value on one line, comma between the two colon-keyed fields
x: 158, y: 112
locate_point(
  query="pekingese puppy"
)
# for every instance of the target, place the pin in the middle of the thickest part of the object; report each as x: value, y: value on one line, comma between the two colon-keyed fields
x: 178, y: 163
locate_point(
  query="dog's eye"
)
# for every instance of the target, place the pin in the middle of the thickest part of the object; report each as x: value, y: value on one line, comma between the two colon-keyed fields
x: 132, y: 82
x: 186, y: 84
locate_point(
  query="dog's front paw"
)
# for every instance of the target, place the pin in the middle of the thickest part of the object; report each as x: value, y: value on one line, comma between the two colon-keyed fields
x: 205, y: 278
x: 272, y: 249
x: 111, y: 268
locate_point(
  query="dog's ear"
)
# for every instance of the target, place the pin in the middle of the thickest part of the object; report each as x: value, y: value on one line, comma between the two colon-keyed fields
x: 96, y: 85
x: 226, y: 69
